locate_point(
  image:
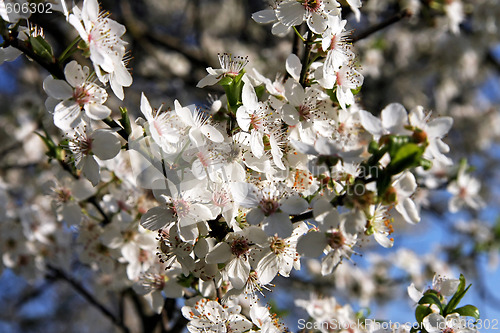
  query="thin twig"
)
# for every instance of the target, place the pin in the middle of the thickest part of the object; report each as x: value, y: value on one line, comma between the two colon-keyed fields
x: 391, y: 20
x: 58, y: 273
x: 305, y: 57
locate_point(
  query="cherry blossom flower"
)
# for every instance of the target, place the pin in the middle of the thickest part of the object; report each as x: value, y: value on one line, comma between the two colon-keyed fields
x: 280, y: 255
x: 465, y: 190
x: 393, y: 120
x: 235, y: 252
x: 210, y: 317
x: 230, y: 66
x: 164, y: 127
x: 268, y: 208
x: 436, y: 323
x: 198, y: 124
x: 68, y: 98
x: 314, y: 12
x: 86, y: 144
x: 103, y: 38
x: 432, y: 132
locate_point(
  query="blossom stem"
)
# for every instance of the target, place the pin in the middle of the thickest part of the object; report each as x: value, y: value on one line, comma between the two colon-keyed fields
x: 305, y: 58
x: 60, y: 274
x: 297, y: 33
x: 391, y: 20
x: 68, y: 51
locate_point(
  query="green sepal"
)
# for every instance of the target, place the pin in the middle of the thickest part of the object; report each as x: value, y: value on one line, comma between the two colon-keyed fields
x: 457, y: 297
x: 431, y: 299
x: 421, y: 312
x: 467, y: 310
x: 42, y: 48
x: 356, y: 91
x: 373, y: 147
x: 185, y: 281
x: 125, y: 120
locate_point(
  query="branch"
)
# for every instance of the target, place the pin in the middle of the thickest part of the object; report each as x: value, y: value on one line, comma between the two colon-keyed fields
x: 305, y: 58
x: 391, y: 20
x: 52, y: 67
x: 58, y: 273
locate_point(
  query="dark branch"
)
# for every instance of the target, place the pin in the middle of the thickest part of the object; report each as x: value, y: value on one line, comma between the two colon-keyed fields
x: 60, y: 274
x: 391, y: 20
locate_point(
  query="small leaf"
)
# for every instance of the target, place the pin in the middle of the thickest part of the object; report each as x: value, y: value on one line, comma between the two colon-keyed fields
x: 226, y: 81
x: 468, y: 310
x: 125, y: 120
x: 459, y: 294
x: 421, y: 312
x: 41, y: 48
x: 431, y: 299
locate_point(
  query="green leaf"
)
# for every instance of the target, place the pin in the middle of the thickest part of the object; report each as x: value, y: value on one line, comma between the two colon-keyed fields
x: 459, y: 294
x: 431, y: 299
x: 125, y: 120
x: 226, y: 81
x: 468, y: 310
x: 373, y: 147
x: 356, y: 91
x: 406, y: 157
x: 42, y: 48
x: 421, y: 312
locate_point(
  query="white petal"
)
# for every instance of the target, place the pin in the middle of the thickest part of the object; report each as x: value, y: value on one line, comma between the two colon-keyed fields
x: 219, y: 254
x: 311, y: 244
x: 394, y: 117
x: 249, y: 97
x: 212, y: 133
x: 294, y: 205
x: 293, y: 66
x: 408, y: 210
x: 57, y: 89
x: 371, y: 123
x: 264, y: 16
x: 255, y: 216
x: 268, y: 268
x: 157, y: 218
x: 290, y: 12
x: 279, y: 29
x: 105, y: 144
x: 97, y: 111
x: 437, y: 128
x: 238, y: 270
x: 383, y: 240
x: 290, y: 115
x: 278, y: 224
x: 257, y: 143
x: 146, y: 109
x: 184, y: 113
x: 75, y: 74
x: 414, y: 293
x: 208, y: 80
x: 91, y: 169
x: 245, y: 194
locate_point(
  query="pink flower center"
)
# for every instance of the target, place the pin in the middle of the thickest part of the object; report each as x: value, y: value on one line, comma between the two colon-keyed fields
x: 278, y: 245
x: 269, y: 206
x: 204, y: 159
x: 255, y: 121
x: 336, y: 240
x: 81, y: 96
x: 312, y: 5
x: 181, y: 208
x: 240, y: 246
x: 304, y: 112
